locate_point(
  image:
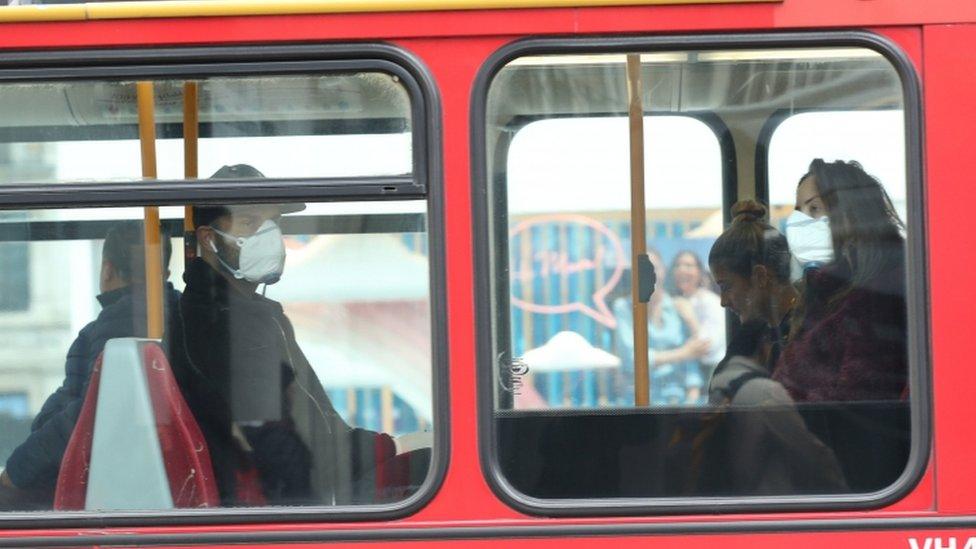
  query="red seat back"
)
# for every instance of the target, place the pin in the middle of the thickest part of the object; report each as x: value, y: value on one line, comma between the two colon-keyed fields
x: 184, y: 449
x: 72, y: 483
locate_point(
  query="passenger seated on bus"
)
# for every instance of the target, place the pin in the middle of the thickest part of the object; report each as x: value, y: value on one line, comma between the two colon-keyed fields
x: 849, y: 335
x: 768, y: 448
x: 674, y: 346
x: 259, y: 404
x: 751, y: 265
x: 32, y: 469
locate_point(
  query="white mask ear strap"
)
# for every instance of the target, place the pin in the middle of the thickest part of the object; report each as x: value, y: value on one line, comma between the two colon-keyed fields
x: 238, y: 240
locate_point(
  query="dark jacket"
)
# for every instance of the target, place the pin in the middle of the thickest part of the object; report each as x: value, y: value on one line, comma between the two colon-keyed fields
x: 35, y: 463
x: 851, y: 348
x: 242, y: 373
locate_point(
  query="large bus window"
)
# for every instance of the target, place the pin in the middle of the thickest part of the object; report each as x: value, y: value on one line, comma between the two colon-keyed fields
x: 283, y: 354
x: 311, y: 390
x: 774, y: 359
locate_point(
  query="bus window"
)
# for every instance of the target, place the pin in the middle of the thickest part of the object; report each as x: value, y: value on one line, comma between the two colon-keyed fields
x: 550, y: 165
x: 293, y: 361
x: 312, y: 390
x: 304, y: 126
x: 875, y: 138
x: 774, y: 358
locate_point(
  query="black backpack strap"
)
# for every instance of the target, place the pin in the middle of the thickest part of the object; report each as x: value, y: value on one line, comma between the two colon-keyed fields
x: 737, y: 383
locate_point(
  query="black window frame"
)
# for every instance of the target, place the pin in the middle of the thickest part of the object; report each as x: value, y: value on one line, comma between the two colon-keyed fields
x: 425, y: 182
x: 487, y: 248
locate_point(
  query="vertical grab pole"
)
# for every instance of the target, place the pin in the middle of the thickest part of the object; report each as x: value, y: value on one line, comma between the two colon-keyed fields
x: 638, y: 239
x: 191, y: 135
x: 154, y: 268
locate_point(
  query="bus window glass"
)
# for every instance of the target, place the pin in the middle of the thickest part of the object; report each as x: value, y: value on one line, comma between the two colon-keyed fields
x: 294, y: 368
x: 875, y: 138
x: 293, y: 126
x: 557, y: 240
x: 774, y: 357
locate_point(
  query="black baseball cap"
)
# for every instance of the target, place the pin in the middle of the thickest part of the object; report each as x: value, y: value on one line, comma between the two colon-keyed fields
x: 204, y: 214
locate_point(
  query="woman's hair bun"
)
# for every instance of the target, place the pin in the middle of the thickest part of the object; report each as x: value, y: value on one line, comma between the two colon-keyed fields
x: 748, y: 211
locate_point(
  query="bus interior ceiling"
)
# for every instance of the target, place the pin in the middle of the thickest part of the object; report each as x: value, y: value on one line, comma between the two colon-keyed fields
x: 742, y: 89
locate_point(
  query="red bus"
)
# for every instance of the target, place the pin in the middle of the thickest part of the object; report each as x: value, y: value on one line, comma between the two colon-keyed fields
x: 521, y: 272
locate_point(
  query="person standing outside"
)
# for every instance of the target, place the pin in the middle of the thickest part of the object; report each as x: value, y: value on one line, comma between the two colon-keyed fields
x: 688, y: 280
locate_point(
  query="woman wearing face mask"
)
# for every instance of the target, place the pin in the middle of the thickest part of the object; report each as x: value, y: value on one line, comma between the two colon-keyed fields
x: 751, y: 265
x: 848, y: 334
x: 674, y: 347
x: 687, y: 280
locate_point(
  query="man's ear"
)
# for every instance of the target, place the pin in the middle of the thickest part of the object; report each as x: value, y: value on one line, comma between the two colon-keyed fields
x: 110, y: 277
x: 107, y: 272
x: 205, y: 238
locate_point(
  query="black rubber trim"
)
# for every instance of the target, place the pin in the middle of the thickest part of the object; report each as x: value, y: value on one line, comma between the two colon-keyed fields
x: 425, y: 182
x: 223, y: 191
x: 38, y: 231
x: 202, y: 191
x: 387, y: 535
x: 490, y: 255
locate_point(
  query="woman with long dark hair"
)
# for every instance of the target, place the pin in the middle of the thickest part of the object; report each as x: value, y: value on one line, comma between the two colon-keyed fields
x: 848, y: 334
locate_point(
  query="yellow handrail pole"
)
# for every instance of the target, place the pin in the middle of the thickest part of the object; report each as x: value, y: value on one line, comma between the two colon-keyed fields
x: 154, y: 267
x: 638, y: 240
x: 191, y: 136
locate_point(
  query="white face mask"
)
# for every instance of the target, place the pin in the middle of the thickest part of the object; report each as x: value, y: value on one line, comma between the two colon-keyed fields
x: 262, y: 257
x: 810, y: 239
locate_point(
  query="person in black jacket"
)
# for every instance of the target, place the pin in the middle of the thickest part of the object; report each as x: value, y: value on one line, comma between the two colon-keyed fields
x: 31, y: 472
x: 259, y: 404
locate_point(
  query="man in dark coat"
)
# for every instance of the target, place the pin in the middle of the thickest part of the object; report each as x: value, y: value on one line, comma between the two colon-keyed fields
x: 257, y: 400
x: 32, y: 470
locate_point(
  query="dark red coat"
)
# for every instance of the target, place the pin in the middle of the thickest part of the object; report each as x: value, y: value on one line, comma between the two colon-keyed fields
x: 852, y: 349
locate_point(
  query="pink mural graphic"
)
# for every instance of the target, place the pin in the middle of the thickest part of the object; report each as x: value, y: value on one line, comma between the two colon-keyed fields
x: 556, y: 260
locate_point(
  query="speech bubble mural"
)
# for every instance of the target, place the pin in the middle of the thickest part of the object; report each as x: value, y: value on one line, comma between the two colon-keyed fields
x: 547, y: 258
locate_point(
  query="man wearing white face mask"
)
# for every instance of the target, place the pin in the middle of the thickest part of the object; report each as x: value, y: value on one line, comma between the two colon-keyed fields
x: 273, y: 435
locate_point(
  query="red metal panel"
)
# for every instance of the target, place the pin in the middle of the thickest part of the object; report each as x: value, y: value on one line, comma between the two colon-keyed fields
x: 950, y: 77
x: 909, y: 40
x: 791, y: 14
x: 454, y: 64
x: 465, y: 499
